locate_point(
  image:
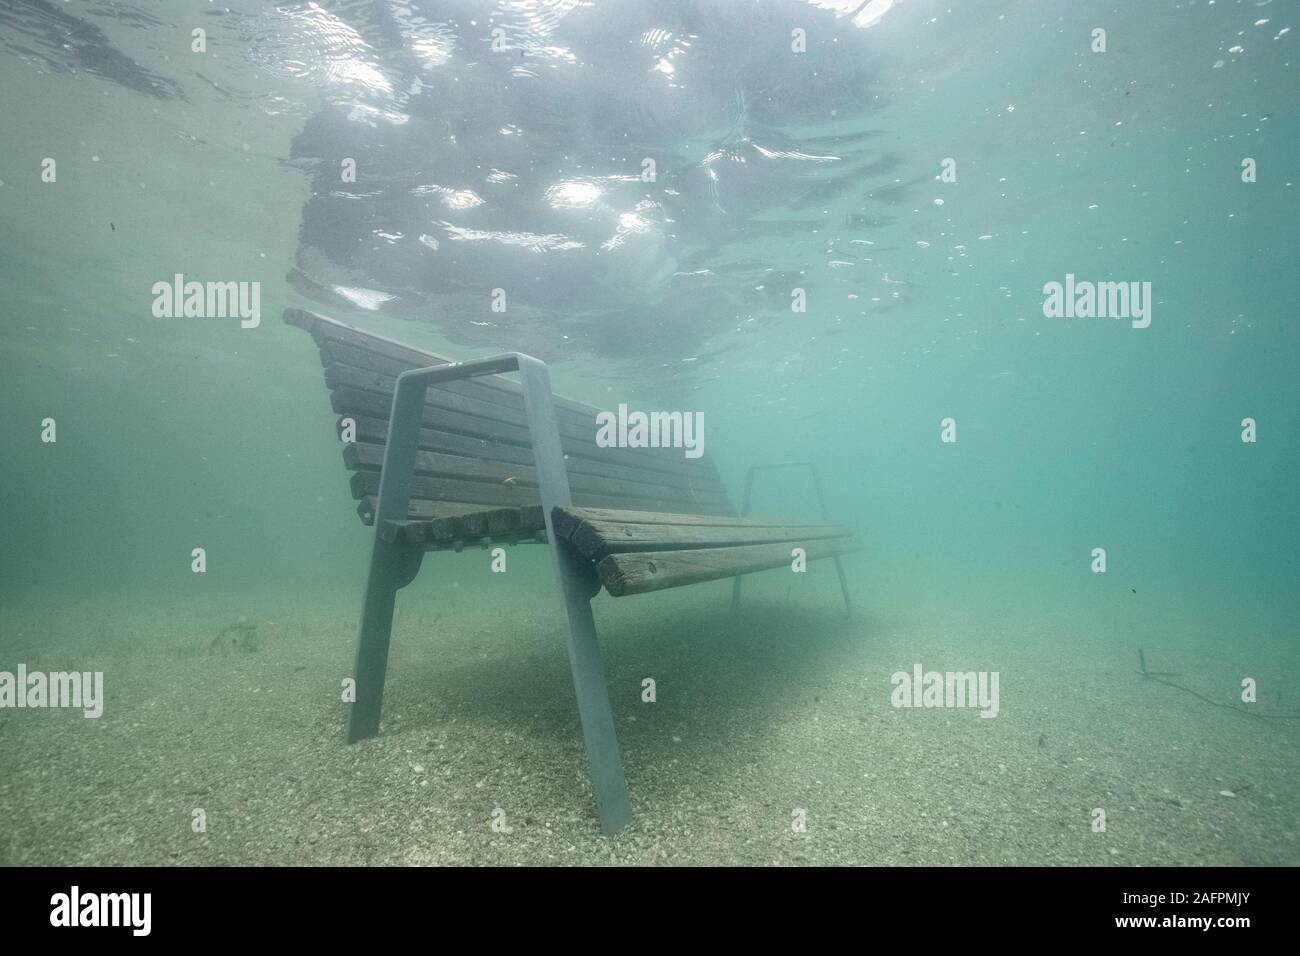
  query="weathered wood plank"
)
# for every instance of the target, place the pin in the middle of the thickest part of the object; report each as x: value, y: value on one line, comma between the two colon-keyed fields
x: 412, y: 531
x: 570, y: 515
x: 580, y: 429
x: 420, y: 509
x: 357, y: 366
x: 439, y: 490
x: 354, y: 402
x: 506, y: 524
x: 441, y: 397
x: 375, y: 431
x: 336, y: 342
x: 359, y: 455
x: 479, y: 452
x: 460, y: 544
x: 528, y: 520
x: 449, y: 489
x: 326, y: 330
x: 595, y: 539
x: 640, y: 572
x: 496, y: 522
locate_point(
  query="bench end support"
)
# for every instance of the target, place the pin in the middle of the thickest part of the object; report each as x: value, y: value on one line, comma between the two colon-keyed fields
x: 821, y: 500
x: 598, y: 733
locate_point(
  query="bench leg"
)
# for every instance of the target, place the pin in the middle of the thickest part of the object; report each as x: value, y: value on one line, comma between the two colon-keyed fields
x: 821, y: 500
x: 844, y: 587
x: 607, y: 780
x: 839, y: 570
x: 390, y: 569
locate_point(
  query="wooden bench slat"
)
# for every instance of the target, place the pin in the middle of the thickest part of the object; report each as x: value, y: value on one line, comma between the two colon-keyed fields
x: 336, y: 353
x: 354, y: 402
x: 366, y: 483
x: 595, y: 539
x: 359, y: 455
x: 357, y: 367
x: 437, y: 396
x: 577, y: 422
x: 483, y: 493
x: 643, y: 571
x: 427, y: 509
x: 482, y: 528
x: 567, y: 516
x: 421, y: 509
x: 475, y: 451
x: 324, y: 329
x: 410, y: 530
x: 493, y: 522
x: 375, y: 430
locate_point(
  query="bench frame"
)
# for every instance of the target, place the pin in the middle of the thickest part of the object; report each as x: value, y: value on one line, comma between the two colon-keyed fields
x: 821, y: 502
x: 396, y: 558
x: 394, y: 564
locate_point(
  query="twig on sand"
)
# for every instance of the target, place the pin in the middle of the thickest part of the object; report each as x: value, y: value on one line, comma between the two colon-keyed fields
x: 1159, y: 678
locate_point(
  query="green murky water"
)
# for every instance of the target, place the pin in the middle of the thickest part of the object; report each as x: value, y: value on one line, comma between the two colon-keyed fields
x: 845, y: 245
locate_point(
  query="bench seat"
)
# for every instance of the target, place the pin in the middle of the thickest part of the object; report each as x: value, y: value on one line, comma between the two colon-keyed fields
x: 637, y: 551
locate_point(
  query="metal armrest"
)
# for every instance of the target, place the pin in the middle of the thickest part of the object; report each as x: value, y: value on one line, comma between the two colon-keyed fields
x: 407, y: 416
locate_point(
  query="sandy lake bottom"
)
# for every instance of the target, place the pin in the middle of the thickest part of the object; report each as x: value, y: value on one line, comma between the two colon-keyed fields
x: 758, y: 716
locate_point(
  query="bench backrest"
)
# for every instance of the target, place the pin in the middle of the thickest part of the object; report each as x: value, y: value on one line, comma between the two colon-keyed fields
x: 474, y: 445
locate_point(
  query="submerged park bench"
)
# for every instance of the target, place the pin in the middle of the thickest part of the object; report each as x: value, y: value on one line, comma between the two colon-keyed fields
x: 445, y: 455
